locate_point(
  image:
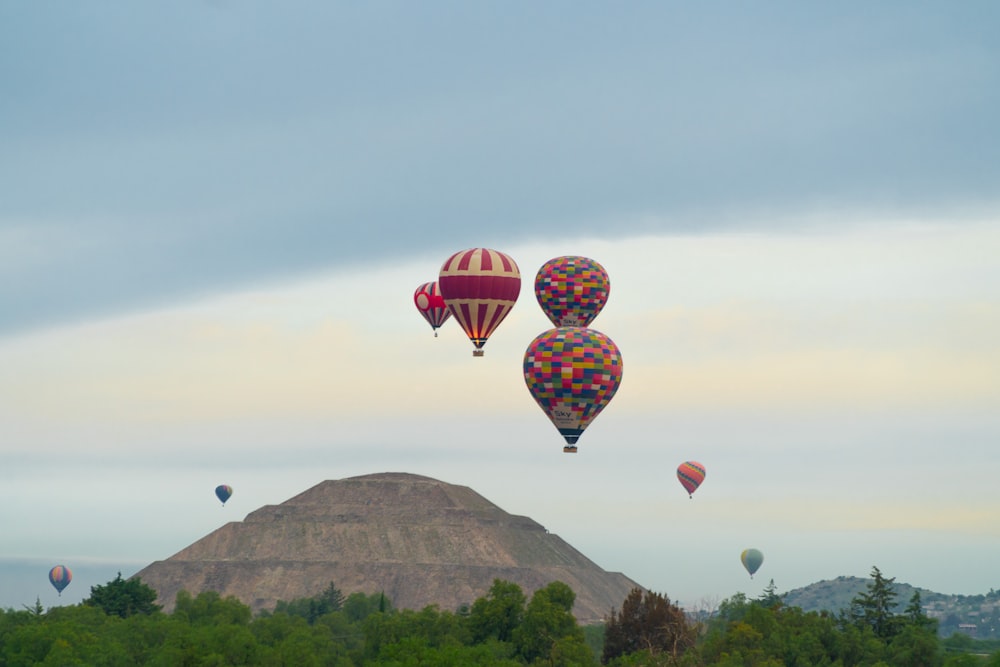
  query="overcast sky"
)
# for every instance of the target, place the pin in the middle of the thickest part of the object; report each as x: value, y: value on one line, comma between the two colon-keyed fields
x: 213, y: 216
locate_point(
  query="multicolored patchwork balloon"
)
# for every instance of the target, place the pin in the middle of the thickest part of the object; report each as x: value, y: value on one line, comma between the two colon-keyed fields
x: 480, y: 287
x: 59, y: 577
x: 572, y: 373
x: 691, y: 474
x: 431, y: 305
x: 572, y: 290
x: 752, y: 559
x: 223, y: 492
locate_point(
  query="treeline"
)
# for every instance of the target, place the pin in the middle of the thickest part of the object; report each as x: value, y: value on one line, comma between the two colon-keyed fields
x: 120, y: 624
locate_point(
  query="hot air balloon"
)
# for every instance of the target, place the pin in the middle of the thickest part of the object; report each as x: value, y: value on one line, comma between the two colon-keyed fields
x: 431, y: 305
x: 752, y: 560
x: 480, y: 287
x: 223, y: 492
x: 691, y: 474
x: 572, y: 373
x: 60, y: 576
x: 572, y: 290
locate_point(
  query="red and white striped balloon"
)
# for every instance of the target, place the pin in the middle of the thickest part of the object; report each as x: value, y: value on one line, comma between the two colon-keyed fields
x: 480, y: 287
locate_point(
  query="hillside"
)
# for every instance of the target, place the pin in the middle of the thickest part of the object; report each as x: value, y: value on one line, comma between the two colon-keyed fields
x: 976, y: 615
x: 418, y: 540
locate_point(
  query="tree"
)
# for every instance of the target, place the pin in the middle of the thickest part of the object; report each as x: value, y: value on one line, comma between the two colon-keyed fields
x: 770, y: 598
x: 647, y: 622
x: 874, y: 607
x: 498, y: 613
x: 65, y: 635
x: 313, y: 608
x: 407, y: 631
x: 332, y: 599
x: 359, y: 606
x: 549, y: 631
x: 123, y: 597
x: 915, y: 615
x: 210, y: 608
x: 37, y: 610
x: 915, y: 646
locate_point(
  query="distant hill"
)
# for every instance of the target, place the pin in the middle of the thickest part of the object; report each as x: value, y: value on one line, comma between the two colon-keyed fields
x: 976, y: 615
x: 418, y: 540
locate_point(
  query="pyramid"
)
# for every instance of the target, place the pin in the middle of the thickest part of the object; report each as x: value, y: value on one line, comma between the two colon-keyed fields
x: 416, y: 539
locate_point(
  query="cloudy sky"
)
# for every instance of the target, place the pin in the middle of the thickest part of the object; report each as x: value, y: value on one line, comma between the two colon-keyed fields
x: 213, y: 216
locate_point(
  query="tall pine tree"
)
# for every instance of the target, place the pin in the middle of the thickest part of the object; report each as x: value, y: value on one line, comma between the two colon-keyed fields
x: 874, y: 608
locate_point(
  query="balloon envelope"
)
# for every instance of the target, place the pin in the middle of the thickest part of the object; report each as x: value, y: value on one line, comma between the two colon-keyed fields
x: 572, y: 290
x: 431, y: 305
x: 691, y: 474
x: 572, y: 373
x: 60, y: 576
x: 752, y: 560
x: 223, y: 492
x: 480, y: 287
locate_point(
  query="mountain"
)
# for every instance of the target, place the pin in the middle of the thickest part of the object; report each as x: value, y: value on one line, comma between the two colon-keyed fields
x: 976, y: 615
x: 418, y: 540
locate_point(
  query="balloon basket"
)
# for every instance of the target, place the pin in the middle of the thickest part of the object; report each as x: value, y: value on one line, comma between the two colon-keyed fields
x: 569, y: 449
x: 477, y: 353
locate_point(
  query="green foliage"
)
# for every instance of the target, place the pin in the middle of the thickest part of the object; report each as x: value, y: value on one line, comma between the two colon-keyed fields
x: 414, y: 651
x: 123, y: 597
x: 77, y: 635
x: 37, y: 609
x: 959, y: 641
x: 312, y: 608
x: 750, y: 633
x: 963, y: 660
x: 873, y: 608
x: 549, y: 631
x: 498, y: 613
x: 435, y: 628
x: 915, y: 645
x: 210, y: 630
x: 209, y: 608
x: 359, y: 606
x: 594, y: 636
x: 754, y: 633
x: 770, y: 597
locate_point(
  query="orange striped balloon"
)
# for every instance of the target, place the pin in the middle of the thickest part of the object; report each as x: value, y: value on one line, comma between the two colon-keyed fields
x: 691, y: 474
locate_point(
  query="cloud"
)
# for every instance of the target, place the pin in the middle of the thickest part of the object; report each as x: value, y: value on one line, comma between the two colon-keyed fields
x: 890, y: 324
x: 254, y: 143
x: 874, y: 354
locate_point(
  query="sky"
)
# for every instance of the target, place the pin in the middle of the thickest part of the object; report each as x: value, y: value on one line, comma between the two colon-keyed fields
x: 213, y: 216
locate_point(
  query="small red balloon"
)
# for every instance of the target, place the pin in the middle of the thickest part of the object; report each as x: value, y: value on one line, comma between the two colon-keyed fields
x: 431, y: 305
